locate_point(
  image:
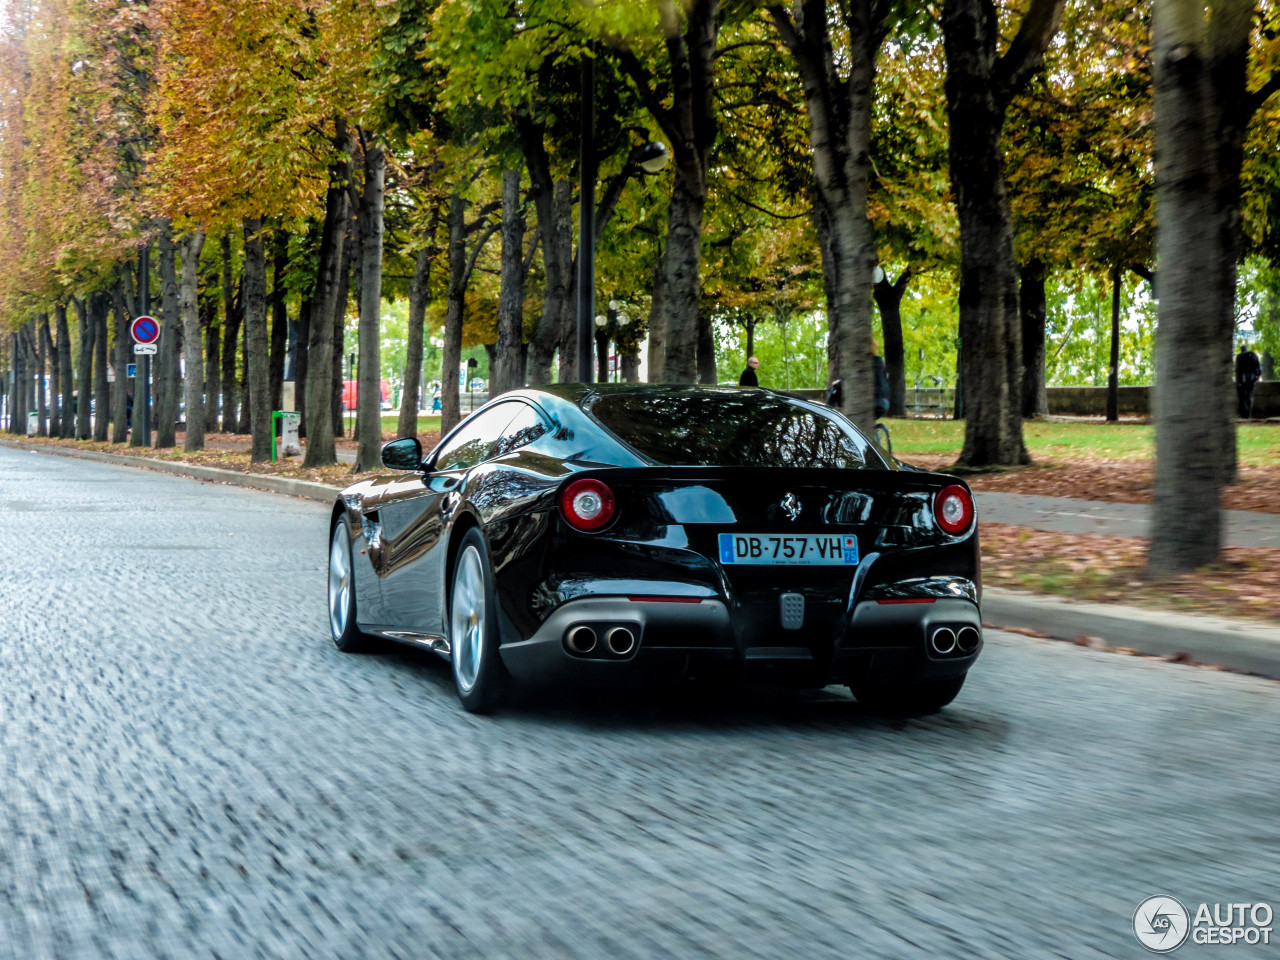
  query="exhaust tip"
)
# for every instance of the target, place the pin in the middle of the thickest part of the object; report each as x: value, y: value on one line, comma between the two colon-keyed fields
x: 621, y: 641
x: 967, y: 639
x: 581, y: 639
x: 943, y: 641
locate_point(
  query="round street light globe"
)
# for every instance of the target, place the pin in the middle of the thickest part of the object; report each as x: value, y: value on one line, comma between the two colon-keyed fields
x: 877, y: 275
x: 601, y: 321
x: 652, y: 156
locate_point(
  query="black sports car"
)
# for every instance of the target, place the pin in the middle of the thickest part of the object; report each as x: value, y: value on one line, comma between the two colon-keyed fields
x: 599, y: 532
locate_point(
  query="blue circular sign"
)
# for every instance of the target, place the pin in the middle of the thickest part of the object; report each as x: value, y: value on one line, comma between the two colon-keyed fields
x: 145, y: 330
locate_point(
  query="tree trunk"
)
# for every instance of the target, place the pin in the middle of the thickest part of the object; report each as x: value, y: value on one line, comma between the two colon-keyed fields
x: 300, y: 364
x: 189, y: 309
x: 1113, y: 371
x: 707, y: 372
x: 1035, y: 401
x: 18, y: 402
x: 1191, y: 367
x: 319, y: 383
x: 658, y: 323
x: 255, y: 328
x: 245, y: 421
x: 84, y: 376
x: 888, y: 297
x: 369, y: 395
x: 630, y: 364
x: 169, y: 374
x: 419, y: 290
x: 67, y: 426
x: 450, y: 412
x: 212, y: 364
x: 123, y: 356
x: 979, y: 86
x: 279, y: 315
x: 602, y: 356
x: 505, y: 374
x: 1230, y: 28
x: 349, y: 250
x: 839, y: 109
x: 232, y: 317
x: 690, y: 124
x: 40, y: 338
x: 683, y: 252
x: 29, y: 338
x: 553, y: 203
x: 50, y: 351
x: 102, y: 388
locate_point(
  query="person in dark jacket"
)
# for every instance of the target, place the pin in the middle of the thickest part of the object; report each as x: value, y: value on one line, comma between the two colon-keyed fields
x: 1248, y: 373
x: 748, y: 378
x: 879, y: 377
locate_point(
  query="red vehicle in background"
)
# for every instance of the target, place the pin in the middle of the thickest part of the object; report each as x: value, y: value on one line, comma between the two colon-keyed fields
x: 349, y: 395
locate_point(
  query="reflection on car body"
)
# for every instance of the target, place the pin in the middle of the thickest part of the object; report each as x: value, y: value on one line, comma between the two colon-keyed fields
x: 577, y: 533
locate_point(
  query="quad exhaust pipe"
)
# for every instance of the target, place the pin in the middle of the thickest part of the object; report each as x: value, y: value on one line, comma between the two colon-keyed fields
x: 967, y: 640
x: 581, y: 640
x: 620, y: 641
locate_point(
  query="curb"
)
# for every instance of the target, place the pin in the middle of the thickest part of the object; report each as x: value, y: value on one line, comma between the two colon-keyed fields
x: 305, y: 489
x: 1245, y: 646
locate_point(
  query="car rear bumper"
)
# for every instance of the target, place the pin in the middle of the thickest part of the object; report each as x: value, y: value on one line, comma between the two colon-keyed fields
x: 881, y: 642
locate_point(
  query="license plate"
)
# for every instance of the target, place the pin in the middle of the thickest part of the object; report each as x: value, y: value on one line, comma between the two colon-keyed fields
x: 807, y: 549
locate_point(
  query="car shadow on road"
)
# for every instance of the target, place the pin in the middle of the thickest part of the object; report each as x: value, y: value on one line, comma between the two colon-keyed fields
x: 696, y: 706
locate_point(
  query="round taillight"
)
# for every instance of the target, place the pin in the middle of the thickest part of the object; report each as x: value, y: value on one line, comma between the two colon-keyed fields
x: 953, y: 509
x: 587, y: 505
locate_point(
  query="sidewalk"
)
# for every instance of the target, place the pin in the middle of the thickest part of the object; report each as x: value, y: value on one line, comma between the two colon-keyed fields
x: 1241, y: 528
x: 1244, y: 645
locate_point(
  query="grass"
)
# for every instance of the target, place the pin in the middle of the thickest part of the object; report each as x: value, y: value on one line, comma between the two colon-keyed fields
x: 1259, y: 443
x: 425, y: 425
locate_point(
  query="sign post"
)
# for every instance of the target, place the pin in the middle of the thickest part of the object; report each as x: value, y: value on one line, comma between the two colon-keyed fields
x: 146, y: 337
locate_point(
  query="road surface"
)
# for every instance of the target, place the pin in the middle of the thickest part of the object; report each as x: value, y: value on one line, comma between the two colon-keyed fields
x: 188, y: 768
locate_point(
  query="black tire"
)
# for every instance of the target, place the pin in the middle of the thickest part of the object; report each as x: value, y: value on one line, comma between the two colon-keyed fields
x: 479, y: 675
x: 908, y: 699
x: 346, y: 633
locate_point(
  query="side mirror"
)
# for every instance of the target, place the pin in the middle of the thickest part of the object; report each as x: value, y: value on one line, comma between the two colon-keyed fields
x: 402, y: 454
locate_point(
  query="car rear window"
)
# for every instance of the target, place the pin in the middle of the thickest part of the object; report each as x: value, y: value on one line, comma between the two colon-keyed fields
x: 732, y: 428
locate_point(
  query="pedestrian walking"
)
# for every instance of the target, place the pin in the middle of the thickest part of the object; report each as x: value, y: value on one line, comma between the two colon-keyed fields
x: 880, y: 375
x: 748, y: 378
x: 879, y: 380
x: 1248, y: 373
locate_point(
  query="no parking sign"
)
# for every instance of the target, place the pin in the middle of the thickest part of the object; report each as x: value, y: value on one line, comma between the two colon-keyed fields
x: 146, y: 334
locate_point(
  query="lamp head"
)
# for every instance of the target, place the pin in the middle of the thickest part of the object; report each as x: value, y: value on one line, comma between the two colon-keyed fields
x: 652, y: 156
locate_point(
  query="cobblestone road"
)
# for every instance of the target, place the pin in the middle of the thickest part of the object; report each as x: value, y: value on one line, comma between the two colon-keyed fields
x: 188, y: 768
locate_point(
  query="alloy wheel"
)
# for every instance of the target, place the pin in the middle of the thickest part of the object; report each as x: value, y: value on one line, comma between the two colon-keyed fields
x: 339, y: 580
x: 466, y: 622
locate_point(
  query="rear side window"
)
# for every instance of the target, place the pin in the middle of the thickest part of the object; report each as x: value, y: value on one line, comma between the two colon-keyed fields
x: 474, y: 441
x: 527, y: 427
x: 730, y: 429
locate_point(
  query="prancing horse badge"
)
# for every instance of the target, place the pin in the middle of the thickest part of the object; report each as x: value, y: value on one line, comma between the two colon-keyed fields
x: 790, y: 506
